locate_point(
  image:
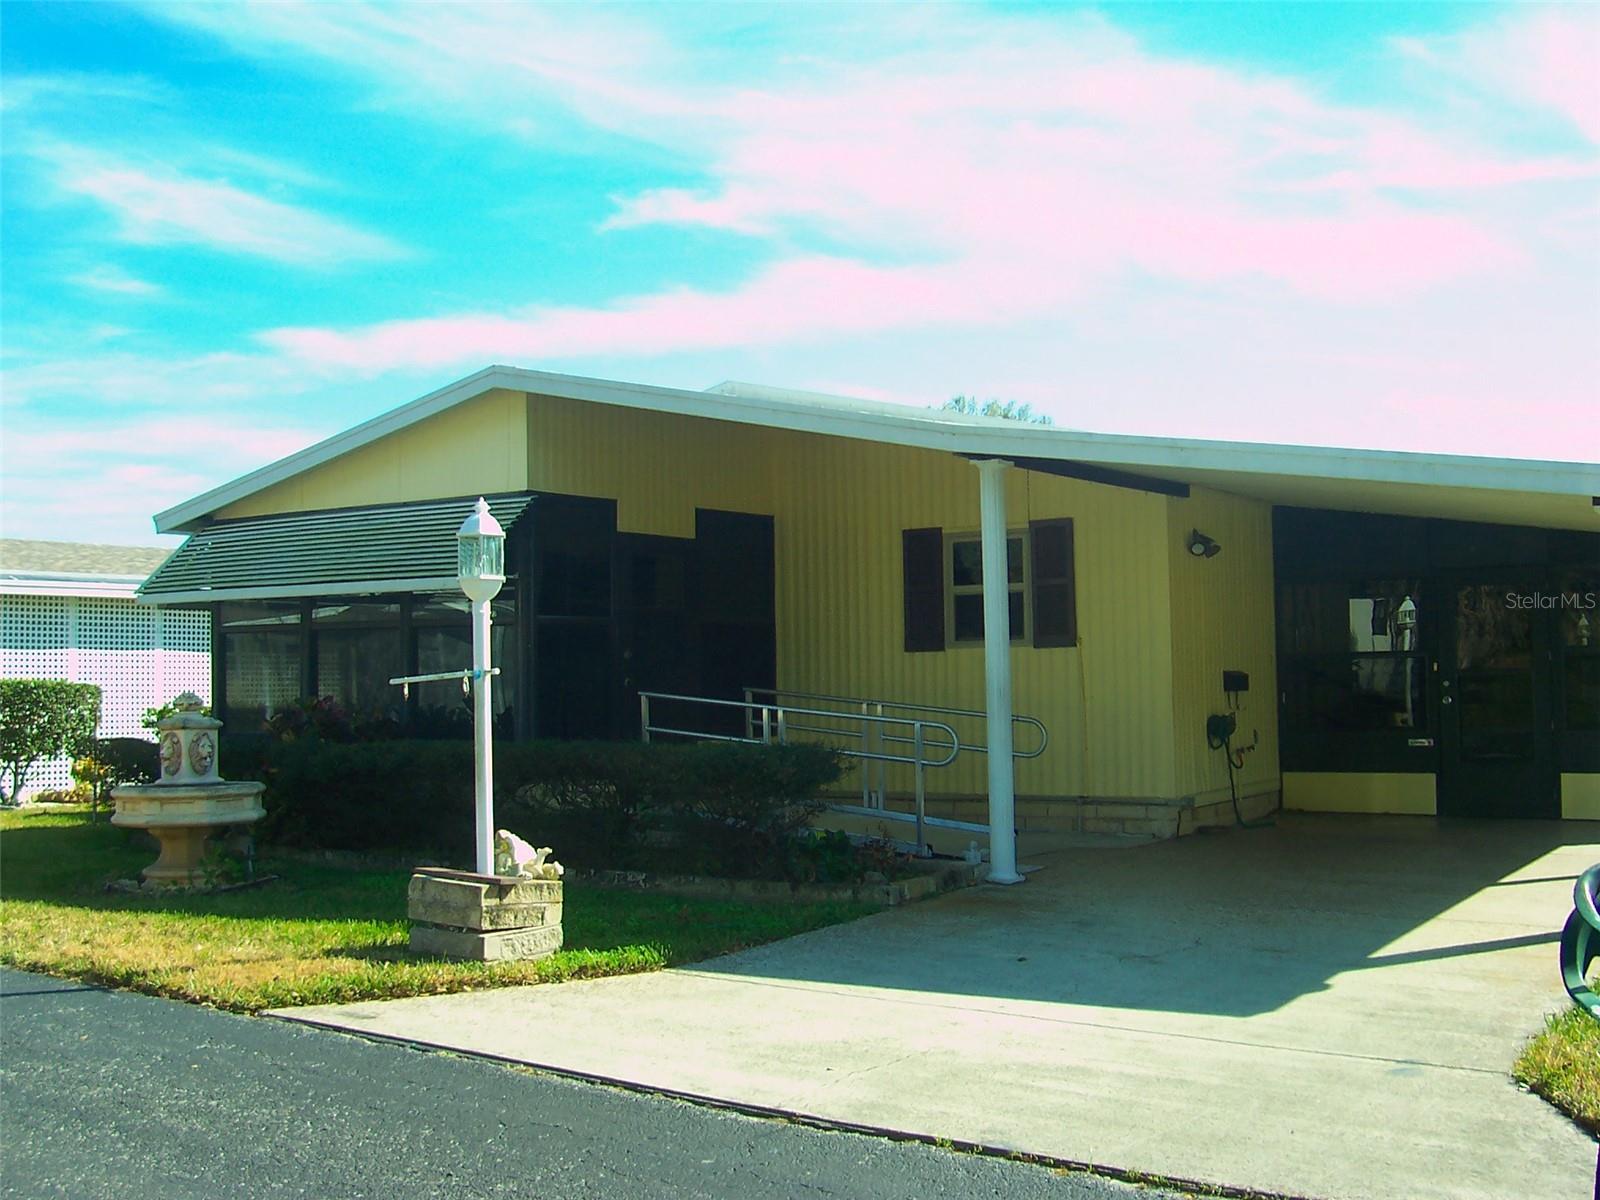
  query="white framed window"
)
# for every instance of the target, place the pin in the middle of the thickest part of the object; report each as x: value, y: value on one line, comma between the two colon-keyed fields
x: 963, y: 563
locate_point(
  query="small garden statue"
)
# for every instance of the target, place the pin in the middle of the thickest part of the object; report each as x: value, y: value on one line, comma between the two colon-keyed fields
x: 517, y: 859
x: 1580, y: 943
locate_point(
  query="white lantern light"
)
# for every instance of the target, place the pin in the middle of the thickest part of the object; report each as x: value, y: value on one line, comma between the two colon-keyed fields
x: 481, y: 554
x: 1405, y: 624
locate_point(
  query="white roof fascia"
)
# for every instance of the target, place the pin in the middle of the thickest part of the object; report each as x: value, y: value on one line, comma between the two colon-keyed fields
x: 42, y: 584
x: 933, y: 429
x: 180, y: 517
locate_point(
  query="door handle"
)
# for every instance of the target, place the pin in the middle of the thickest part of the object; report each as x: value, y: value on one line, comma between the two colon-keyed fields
x: 1447, y: 699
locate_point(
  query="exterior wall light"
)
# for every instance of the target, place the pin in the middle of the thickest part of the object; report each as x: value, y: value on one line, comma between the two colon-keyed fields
x: 1203, y: 547
x: 481, y: 555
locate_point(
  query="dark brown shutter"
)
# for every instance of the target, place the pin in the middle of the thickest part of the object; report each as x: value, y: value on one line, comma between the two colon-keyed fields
x: 1055, y: 589
x: 922, y: 557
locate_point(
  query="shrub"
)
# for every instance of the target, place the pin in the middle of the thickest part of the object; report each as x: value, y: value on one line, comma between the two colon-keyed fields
x: 110, y: 762
x: 154, y: 716
x: 369, y: 795
x: 42, y: 719
x: 320, y: 717
x: 715, y: 808
x: 737, y: 809
x: 78, y: 793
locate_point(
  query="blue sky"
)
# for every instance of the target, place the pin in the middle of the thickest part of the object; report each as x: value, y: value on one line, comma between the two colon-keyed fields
x: 232, y: 230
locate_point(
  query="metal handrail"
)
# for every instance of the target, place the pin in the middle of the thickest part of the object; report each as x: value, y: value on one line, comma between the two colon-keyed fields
x: 775, y: 724
x: 874, y: 781
x: 1016, y: 718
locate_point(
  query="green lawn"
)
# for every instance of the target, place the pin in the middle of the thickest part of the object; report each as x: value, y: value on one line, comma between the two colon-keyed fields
x: 322, y: 933
x: 1562, y: 1064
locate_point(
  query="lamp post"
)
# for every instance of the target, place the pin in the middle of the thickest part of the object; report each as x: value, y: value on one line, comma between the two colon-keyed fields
x: 481, y: 570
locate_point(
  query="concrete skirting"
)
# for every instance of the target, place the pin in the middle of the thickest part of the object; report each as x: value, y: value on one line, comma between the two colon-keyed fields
x: 1046, y: 823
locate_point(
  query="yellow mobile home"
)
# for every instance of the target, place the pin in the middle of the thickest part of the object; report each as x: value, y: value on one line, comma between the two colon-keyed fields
x: 1371, y: 631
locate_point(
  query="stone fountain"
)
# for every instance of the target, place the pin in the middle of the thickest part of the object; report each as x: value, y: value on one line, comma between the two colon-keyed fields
x: 190, y: 801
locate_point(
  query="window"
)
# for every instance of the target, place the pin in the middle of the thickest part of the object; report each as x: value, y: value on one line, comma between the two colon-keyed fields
x: 1352, y: 659
x: 943, y: 587
x: 1578, y: 620
x: 964, y: 564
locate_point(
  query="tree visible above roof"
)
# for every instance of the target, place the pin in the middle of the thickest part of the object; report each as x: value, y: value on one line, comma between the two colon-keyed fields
x: 23, y: 556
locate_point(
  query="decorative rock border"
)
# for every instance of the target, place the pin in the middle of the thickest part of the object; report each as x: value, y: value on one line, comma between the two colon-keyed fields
x: 931, y: 880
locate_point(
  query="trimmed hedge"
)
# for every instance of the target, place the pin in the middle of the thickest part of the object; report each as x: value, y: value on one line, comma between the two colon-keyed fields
x: 42, y: 719
x: 713, y: 808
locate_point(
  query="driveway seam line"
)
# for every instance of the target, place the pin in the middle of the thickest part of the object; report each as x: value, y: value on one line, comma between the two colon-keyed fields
x: 1049, y: 1020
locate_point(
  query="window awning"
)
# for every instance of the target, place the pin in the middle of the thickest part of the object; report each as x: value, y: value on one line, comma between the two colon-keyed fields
x: 331, y: 552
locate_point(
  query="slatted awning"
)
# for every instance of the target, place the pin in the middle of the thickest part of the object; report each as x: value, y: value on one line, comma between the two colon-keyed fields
x: 331, y: 552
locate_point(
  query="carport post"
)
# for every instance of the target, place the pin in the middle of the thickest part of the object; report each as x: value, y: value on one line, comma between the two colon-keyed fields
x: 997, y: 671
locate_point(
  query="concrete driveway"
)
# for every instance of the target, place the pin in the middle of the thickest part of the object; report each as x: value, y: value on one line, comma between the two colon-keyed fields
x: 1325, y: 1008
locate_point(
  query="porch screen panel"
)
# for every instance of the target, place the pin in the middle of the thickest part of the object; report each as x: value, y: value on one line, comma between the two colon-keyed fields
x: 261, y: 652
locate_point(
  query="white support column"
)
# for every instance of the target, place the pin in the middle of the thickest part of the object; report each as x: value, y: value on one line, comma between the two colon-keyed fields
x: 997, y: 671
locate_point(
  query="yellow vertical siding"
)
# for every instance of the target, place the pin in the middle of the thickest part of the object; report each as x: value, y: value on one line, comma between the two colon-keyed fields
x: 1360, y: 792
x: 1580, y: 797
x: 1114, y: 704
x: 479, y: 446
x: 841, y: 507
x: 658, y: 467
x: 1223, y: 617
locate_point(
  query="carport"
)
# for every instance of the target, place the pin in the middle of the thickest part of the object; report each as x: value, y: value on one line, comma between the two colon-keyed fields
x: 1328, y: 1007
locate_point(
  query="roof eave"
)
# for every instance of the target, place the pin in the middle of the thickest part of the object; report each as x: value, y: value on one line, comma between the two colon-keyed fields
x: 1177, y: 458
x: 188, y: 516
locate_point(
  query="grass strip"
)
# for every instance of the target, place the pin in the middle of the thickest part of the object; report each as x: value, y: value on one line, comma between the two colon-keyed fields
x: 322, y: 933
x: 1562, y: 1064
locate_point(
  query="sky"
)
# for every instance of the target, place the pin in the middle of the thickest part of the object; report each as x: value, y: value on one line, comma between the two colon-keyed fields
x: 229, y: 231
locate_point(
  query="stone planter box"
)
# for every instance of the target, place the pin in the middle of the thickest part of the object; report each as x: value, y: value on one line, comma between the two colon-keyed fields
x: 485, y: 918
x: 931, y: 880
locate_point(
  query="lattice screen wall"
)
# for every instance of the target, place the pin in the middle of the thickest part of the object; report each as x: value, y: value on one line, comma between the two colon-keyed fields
x: 140, y: 656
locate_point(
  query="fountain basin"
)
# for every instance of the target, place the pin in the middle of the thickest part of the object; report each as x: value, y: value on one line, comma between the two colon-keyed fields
x: 181, y: 817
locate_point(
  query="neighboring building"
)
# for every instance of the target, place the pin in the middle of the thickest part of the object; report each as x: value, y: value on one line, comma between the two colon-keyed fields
x: 70, y: 611
x: 702, y: 542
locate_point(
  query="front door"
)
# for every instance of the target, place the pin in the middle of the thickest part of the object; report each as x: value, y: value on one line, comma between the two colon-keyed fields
x: 1496, y: 731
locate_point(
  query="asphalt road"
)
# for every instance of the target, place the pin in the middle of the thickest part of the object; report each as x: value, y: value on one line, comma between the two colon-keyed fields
x: 108, y: 1094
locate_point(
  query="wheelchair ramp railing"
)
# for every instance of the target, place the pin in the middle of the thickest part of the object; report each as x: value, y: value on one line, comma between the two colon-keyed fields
x: 874, y: 789
x: 876, y: 733
x: 916, y: 742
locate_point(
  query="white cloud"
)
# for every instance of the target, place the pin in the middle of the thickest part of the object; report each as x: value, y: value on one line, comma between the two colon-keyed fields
x: 1157, y: 240
x: 140, y: 466
x: 20, y: 91
x: 1545, y: 58
x: 162, y: 206
x: 113, y: 279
